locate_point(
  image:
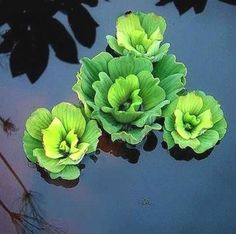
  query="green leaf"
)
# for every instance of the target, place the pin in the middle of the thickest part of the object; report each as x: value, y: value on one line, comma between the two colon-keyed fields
x: 148, y: 117
x: 167, y: 67
x: 170, y: 123
x: 112, y: 42
x: 167, y: 137
x: 52, y: 137
x: 205, y: 123
x: 123, y: 116
x: 136, y: 135
x: 151, y: 94
x: 220, y: 127
x: 91, y: 135
x: 108, y: 122
x: 207, y: 141
x: 122, y: 89
x: 81, y: 151
x: 72, y: 138
x: 179, y: 125
x: 127, y: 65
x: 171, y: 74
x: 209, y: 102
x: 183, y: 143
x: 39, y: 119
x: 191, y: 103
x: 49, y: 164
x: 156, y: 53
x: 153, y: 25
x: 70, y: 117
x: 101, y: 88
x: 29, y: 144
x: 89, y: 73
x: 68, y: 173
x: 128, y: 23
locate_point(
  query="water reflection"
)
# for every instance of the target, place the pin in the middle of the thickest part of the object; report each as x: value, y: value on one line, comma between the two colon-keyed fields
x: 58, y: 182
x: 183, y: 5
x: 7, y: 126
x: 32, y: 28
x: 232, y: 2
x: 198, y: 5
x: 30, y: 218
x: 126, y: 151
x: 186, y: 154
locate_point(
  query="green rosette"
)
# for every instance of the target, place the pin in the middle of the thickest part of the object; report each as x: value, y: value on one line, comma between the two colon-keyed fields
x: 194, y: 120
x: 122, y: 94
x: 58, y: 140
x: 140, y: 34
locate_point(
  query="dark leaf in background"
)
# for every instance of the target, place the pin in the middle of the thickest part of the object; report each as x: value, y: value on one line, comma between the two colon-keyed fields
x: 83, y: 25
x: 8, y: 42
x: 183, y: 5
x: 33, y: 28
x: 232, y: 2
x: 30, y: 57
x: 91, y: 3
x: 61, y: 41
x: 163, y: 2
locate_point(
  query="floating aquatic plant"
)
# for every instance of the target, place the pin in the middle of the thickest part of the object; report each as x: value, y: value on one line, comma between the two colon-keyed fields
x: 171, y: 74
x: 123, y: 94
x: 58, y: 140
x: 194, y: 120
x: 141, y: 34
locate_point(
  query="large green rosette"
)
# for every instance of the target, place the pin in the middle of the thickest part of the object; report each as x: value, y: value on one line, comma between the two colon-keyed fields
x: 140, y: 34
x: 58, y: 140
x: 122, y: 95
x: 194, y: 120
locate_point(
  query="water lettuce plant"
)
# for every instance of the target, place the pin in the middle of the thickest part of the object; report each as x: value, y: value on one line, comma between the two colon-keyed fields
x: 141, y: 34
x: 194, y: 120
x: 58, y: 140
x: 122, y: 95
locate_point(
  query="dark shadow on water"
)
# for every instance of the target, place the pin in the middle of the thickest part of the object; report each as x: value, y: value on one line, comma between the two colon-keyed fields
x: 111, y: 51
x: 126, y: 151
x: 32, y: 29
x: 151, y: 142
x: 232, y: 2
x: 30, y: 218
x: 186, y: 154
x: 58, y: 182
x: 184, y: 5
x: 7, y: 126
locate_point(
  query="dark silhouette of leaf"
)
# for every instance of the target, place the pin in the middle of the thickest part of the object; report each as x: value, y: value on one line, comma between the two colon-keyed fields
x: 29, y: 56
x: 61, y: 41
x: 91, y: 3
x: 183, y: 5
x: 8, y: 42
x: 163, y: 2
x: 83, y: 25
x: 33, y: 28
x: 232, y: 2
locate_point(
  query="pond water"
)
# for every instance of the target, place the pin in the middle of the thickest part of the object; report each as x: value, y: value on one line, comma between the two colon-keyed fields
x: 122, y: 190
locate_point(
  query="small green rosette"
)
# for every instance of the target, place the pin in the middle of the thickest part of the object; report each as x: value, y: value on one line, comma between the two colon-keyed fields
x: 194, y: 120
x: 58, y: 140
x: 140, y: 34
x: 122, y: 95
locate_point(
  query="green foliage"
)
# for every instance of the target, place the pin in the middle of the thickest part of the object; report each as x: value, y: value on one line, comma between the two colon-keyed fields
x: 194, y: 120
x: 58, y: 140
x: 140, y: 34
x: 122, y: 94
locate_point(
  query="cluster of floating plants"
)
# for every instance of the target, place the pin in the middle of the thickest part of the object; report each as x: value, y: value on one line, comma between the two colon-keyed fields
x: 126, y: 95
